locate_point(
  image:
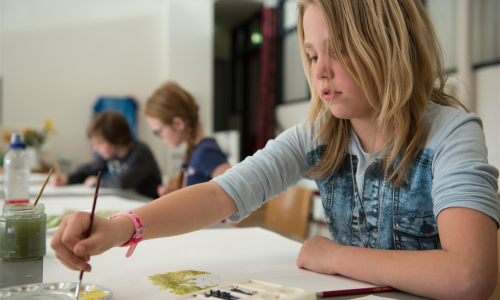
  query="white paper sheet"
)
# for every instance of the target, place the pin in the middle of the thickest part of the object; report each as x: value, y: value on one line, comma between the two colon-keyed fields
x: 73, y: 189
x: 229, y: 254
x: 58, y: 205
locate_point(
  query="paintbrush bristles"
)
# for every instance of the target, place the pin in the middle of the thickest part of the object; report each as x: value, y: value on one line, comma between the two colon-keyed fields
x: 43, y: 187
x: 77, y: 290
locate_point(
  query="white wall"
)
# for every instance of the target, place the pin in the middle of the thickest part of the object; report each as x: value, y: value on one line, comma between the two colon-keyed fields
x: 58, y: 56
x: 444, y: 16
x: 190, y: 61
x: 290, y: 114
x: 191, y: 51
x: 485, y: 90
x: 487, y: 87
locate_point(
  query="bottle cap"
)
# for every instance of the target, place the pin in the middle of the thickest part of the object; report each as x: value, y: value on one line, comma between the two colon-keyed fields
x: 16, y: 141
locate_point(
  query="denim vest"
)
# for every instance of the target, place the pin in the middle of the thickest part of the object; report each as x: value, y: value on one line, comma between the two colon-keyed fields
x: 406, y: 222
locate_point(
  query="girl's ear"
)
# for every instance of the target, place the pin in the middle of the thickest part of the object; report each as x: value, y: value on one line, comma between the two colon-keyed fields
x: 179, y: 124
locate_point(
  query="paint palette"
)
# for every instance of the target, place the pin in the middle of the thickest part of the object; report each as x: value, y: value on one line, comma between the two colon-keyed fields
x: 252, y: 289
x: 55, y: 291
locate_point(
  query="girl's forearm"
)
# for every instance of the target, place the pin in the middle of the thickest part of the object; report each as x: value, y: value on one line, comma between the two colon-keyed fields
x: 436, y: 274
x: 189, y: 209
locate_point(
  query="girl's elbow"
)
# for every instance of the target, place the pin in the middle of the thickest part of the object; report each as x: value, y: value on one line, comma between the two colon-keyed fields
x: 486, y: 289
x: 474, y: 284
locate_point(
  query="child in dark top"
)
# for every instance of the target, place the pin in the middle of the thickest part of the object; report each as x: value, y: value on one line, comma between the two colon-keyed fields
x: 130, y: 164
x: 172, y: 114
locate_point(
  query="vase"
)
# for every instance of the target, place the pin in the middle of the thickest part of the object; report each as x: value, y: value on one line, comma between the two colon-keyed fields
x: 34, y: 157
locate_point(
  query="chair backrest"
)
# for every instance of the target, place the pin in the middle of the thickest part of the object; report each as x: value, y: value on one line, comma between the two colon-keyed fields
x: 127, y: 106
x: 289, y: 212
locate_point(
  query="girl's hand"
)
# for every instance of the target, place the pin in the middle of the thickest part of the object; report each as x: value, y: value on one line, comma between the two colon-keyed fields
x: 59, y: 180
x: 74, y: 251
x: 90, y: 181
x: 316, y: 255
x: 162, y: 190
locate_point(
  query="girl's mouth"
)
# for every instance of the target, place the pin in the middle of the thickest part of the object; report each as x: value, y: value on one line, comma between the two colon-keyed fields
x: 329, y: 95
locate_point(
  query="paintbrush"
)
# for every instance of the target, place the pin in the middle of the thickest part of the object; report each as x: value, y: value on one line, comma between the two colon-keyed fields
x: 77, y: 291
x: 43, y: 187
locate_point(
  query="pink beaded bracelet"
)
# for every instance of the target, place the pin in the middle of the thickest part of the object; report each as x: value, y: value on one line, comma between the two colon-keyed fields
x: 139, y: 231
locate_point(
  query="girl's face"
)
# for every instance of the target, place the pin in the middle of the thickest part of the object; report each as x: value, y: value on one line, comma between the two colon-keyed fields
x: 171, y: 135
x: 105, y: 149
x: 336, y: 88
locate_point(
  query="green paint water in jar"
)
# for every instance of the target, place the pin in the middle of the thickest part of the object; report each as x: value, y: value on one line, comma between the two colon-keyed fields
x: 22, y: 232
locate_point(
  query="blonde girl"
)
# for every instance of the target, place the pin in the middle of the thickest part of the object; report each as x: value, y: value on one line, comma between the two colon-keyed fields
x: 172, y: 114
x: 409, y: 197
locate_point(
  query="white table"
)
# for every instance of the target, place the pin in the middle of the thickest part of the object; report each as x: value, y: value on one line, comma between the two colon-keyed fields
x: 229, y: 254
x: 75, y: 190
x: 68, y: 190
x: 61, y: 204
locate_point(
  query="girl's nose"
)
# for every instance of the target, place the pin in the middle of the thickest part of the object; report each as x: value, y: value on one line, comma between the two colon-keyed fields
x: 322, y: 69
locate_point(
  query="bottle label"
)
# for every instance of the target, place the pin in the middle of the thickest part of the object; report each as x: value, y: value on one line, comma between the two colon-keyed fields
x: 12, y: 201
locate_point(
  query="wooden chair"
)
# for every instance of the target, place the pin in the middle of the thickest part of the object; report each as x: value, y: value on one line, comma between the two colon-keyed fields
x: 288, y: 214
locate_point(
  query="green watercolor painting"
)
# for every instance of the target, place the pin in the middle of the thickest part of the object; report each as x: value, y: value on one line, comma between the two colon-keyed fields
x: 184, y: 282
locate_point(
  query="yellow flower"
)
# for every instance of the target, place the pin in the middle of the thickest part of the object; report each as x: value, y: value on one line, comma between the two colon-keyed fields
x: 6, y: 136
x: 49, y: 124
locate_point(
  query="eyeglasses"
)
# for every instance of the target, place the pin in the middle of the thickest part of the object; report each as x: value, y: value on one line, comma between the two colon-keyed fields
x: 157, y: 132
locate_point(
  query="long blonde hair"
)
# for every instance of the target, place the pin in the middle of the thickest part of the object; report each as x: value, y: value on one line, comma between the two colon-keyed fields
x: 170, y: 100
x: 397, y: 62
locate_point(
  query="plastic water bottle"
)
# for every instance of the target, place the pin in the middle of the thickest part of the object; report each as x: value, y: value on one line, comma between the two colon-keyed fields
x: 16, y: 166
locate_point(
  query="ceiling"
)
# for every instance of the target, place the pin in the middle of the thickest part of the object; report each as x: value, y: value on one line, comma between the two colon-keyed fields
x: 229, y: 13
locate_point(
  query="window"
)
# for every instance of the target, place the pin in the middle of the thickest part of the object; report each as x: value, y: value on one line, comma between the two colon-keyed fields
x: 485, y: 30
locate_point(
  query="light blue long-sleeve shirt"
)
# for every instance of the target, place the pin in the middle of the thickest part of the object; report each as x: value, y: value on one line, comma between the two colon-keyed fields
x: 450, y: 171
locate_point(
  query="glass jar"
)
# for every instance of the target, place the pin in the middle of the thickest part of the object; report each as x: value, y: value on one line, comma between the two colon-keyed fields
x: 23, y: 232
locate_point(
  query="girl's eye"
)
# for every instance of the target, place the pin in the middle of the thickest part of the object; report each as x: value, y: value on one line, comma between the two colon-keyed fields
x: 313, y: 58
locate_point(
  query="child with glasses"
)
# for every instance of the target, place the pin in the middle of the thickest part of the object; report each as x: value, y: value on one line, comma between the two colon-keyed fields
x: 172, y: 114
